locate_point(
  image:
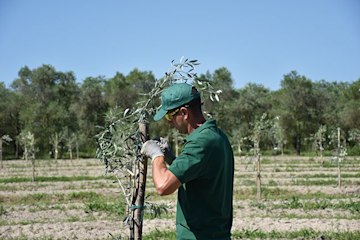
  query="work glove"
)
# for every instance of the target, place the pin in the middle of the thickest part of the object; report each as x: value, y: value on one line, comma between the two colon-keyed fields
x: 166, y: 149
x: 151, y: 149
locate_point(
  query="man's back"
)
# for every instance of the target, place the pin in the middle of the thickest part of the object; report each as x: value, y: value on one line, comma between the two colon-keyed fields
x: 205, y: 168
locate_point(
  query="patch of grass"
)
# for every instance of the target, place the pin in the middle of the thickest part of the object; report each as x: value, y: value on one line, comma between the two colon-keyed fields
x: 329, y: 164
x: 36, y: 197
x: 272, y: 183
x: 266, y: 161
x: 266, y: 193
x: 160, y: 235
x: 319, y: 204
x: 308, y: 215
x: 44, y: 198
x: 24, y: 237
x: 276, y: 193
x: 73, y: 219
x: 248, y: 182
x: 289, y: 169
x: 98, y: 203
x: 2, y: 210
x: 301, y: 234
x: 258, y: 204
x: 54, y: 179
x: 353, y: 207
x: 43, y: 207
x: 294, y: 203
x: 306, y: 182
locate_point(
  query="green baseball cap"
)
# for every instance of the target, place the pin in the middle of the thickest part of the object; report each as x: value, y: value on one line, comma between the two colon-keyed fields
x: 176, y: 95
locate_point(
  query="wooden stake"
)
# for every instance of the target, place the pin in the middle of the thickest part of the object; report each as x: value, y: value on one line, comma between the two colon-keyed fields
x: 258, y: 178
x: 139, y: 198
x: 1, y: 160
x: 339, y: 160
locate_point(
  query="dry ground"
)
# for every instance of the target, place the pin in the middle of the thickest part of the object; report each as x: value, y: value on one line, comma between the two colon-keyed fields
x: 57, y: 218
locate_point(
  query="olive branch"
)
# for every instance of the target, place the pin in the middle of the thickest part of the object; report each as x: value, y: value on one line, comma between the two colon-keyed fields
x: 119, y: 142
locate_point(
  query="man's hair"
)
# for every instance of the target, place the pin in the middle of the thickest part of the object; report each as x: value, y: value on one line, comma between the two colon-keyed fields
x: 195, y: 106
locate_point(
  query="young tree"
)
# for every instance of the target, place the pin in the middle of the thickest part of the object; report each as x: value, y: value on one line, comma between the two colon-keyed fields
x: 55, y: 140
x: 261, y: 128
x: 237, y: 140
x: 27, y: 141
x: 340, y: 150
x: 6, y: 139
x: 278, y: 135
x: 119, y: 143
x: 70, y: 140
x: 318, y: 140
x: 354, y: 135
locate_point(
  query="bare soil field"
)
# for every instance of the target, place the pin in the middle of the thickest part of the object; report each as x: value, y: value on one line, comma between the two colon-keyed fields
x: 76, y: 200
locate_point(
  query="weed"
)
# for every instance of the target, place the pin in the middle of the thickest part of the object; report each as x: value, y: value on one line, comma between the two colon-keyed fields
x: 160, y: 235
x: 301, y: 234
x: 54, y: 179
x: 307, y: 182
x: 272, y: 183
x: 293, y: 203
x: 2, y: 210
x: 98, y: 203
x: 258, y: 205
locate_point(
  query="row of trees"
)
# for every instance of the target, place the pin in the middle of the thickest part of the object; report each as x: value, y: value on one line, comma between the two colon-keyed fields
x: 64, y: 114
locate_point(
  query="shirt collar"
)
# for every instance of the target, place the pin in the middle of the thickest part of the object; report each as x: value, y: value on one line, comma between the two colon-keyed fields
x: 207, y: 124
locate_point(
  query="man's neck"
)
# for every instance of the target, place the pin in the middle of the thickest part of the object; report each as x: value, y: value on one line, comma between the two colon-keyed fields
x: 196, y: 123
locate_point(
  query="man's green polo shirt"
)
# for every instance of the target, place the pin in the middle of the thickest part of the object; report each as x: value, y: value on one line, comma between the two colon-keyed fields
x: 205, y: 168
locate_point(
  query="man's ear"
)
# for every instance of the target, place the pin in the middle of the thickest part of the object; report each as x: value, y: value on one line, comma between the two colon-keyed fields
x: 185, y: 112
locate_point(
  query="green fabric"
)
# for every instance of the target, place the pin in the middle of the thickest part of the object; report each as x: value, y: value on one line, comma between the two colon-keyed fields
x: 205, y: 168
x: 175, y: 96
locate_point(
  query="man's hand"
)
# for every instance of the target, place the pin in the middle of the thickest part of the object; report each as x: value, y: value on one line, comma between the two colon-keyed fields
x: 151, y: 149
x: 166, y: 148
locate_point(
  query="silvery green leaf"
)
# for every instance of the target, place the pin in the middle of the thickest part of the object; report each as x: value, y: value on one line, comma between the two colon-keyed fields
x: 217, y: 98
x: 126, y: 111
x: 211, y: 97
x: 199, y: 82
x: 219, y: 91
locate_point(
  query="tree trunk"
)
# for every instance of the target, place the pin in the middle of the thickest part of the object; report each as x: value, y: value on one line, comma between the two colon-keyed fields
x: 33, y: 167
x: 258, y: 177
x: 258, y: 169
x: 1, y: 159
x: 70, y: 151
x: 139, y: 198
x: 298, y: 145
x: 77, y: 150
x: 339, y: 159
x: 56, y: 152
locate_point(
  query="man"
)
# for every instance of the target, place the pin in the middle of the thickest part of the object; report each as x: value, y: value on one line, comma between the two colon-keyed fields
x: 203, y: 173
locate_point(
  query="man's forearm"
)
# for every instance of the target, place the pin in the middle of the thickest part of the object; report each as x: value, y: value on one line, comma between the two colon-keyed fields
x: 165, y: 181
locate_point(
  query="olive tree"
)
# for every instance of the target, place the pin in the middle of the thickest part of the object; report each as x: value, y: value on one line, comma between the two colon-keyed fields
x: 27, y: 141
x: 120, y: 141
x: 278, y: 135
x: 260, y: 129
x: 340, y: 151
x: 318, y: 140
x: 354, y: 136
x: 6, y: 139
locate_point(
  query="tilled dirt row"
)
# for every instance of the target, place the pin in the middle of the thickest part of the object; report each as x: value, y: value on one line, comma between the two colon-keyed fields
x: 99, y: 227
x: 71, y: 220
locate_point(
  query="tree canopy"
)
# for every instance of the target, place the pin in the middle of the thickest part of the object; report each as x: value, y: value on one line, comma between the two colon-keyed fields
x: 48, y: 102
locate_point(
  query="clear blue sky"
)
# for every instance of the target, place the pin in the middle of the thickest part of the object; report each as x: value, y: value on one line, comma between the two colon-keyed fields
x: 258, y: 41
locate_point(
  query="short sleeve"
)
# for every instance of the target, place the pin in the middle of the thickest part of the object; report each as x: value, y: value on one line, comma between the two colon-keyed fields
x: 191, y: 163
